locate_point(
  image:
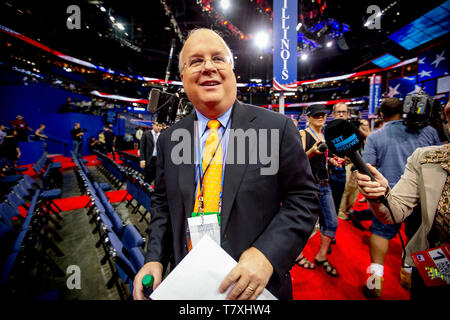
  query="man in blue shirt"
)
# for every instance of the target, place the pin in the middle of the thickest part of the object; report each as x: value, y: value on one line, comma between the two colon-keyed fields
x: 388, y: 149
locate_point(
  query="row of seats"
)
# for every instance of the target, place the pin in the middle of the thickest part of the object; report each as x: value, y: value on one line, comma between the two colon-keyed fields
x: 122, y: 243
x: 113, y: 171
x: 48, y: 171
x: 10, y: 174
x: 141, y: 192
x: 26, y: 241
x: 136, y: 187
x: 130, y: 160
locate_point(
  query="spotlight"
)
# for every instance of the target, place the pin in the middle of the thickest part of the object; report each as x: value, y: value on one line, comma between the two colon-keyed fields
x: 119, y: 26
x: 304, y: 56
x: 102, y: 9
x: 262, y: 40
x: 329, y: 44
x: 225, y: 4
x: 112, y: 19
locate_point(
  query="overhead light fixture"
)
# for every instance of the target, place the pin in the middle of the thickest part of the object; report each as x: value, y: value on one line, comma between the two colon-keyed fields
x: 329, y: 44
x: 119, y: 26
x: 298, y: 26
x: 304, y: 56
x: 225, y: 4
x: 112, y: 19
x: 261, y: 39
x: 102, y: 8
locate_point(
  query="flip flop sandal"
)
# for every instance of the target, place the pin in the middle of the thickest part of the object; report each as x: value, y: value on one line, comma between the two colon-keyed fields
x: 327, y: 267
x: 305, y: 263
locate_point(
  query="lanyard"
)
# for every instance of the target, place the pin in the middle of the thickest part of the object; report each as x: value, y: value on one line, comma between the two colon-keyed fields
x: 312, y: 131
x: 200, y: 167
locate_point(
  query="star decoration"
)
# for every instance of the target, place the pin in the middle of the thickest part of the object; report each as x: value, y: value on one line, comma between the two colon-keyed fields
x: 439, y: 58
x: 425, y: 73
x: 416, y: 89
x: 393, y: 91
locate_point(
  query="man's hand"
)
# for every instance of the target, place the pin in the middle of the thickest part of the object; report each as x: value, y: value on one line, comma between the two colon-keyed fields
x: 372, y: 189
x: 252, y: 274
x: 153, y: 268
x: 142, y: 164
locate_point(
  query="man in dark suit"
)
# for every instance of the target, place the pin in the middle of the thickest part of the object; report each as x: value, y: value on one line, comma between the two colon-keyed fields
x: 265, y: 219
x: 110, y: 141
x: 147, y: 152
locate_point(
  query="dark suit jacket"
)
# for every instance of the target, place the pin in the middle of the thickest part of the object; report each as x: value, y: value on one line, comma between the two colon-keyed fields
x: 147, y: 147
x: 251, y: 212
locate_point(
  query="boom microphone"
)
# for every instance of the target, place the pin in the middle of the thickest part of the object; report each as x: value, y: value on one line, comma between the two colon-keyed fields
x: 343, y: 139
x: 153, y: 100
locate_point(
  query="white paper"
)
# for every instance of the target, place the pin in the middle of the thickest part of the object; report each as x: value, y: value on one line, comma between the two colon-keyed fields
x: 199, y: 275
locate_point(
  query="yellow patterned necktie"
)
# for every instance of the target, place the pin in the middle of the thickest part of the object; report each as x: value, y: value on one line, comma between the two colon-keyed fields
x: 212, y: 180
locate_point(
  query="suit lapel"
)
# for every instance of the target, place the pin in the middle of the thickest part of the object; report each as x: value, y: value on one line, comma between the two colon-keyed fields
x: 241, y: 119
x: 186, y: 172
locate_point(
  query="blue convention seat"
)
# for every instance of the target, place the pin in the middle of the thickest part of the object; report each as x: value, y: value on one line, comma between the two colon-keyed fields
x: 15, y: 201
x: 131, y: 237
x: 125, y: 268
x: 136, y: 257
x: 105, y: 186
x: 51, y: 194
x: 8, y: 212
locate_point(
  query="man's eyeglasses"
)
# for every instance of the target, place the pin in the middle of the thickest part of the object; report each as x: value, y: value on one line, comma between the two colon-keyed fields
x: 196, y: 64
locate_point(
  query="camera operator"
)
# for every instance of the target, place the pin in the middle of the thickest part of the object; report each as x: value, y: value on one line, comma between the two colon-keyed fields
x: 77, y: 138
x: 317, y: 151
x: 426, y: 181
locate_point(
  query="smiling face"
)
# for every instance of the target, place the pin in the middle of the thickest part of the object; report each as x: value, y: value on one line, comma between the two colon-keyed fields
x: 212, y: 91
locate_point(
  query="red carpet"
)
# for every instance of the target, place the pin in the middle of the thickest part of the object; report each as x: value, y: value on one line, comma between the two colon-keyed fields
x: 350, y: 256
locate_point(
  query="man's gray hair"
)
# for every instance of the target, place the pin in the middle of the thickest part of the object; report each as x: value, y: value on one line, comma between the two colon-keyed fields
x: 192, y: 32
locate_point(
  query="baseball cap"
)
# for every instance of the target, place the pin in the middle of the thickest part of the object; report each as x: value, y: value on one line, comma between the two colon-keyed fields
x: 315, y: 109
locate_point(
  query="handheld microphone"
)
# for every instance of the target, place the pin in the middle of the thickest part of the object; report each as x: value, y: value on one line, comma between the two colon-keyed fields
x: 343, y: 139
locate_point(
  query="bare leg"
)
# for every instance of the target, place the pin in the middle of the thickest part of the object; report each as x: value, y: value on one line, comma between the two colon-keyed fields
x: 324, y: 244
x: 378, y: 248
